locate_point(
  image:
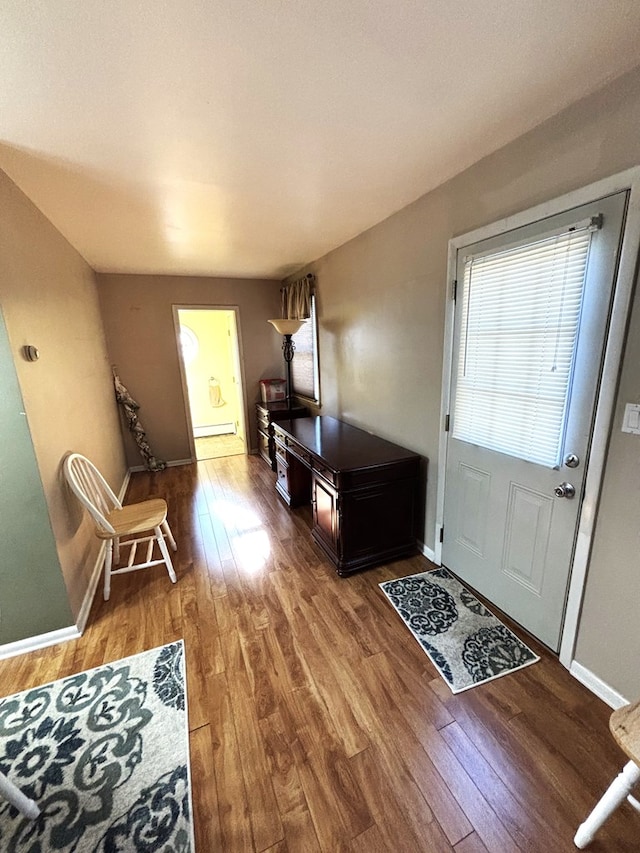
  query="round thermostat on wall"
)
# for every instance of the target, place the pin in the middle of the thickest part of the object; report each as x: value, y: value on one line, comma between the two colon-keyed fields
x: 31, y: 353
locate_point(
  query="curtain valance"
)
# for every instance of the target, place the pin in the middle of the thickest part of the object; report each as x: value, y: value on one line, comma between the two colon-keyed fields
x: 296, y: 298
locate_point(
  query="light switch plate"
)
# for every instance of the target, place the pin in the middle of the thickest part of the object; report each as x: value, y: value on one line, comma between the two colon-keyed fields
x: 631, y: 420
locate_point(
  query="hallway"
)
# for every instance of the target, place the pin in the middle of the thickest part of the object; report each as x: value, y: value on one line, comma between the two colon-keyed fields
x: 316, y: 721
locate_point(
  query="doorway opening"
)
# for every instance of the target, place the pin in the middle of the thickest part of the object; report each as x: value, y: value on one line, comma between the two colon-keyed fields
x: 209, y: 353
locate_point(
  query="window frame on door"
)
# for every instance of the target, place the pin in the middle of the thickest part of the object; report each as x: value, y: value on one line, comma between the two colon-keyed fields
x: 623, y: 290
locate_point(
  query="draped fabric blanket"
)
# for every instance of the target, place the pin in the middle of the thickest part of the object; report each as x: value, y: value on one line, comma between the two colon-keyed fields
x: 130, y: 409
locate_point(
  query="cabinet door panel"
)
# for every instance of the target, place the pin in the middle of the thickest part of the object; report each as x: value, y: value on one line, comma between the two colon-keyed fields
x: 263, y: 446
x: 325, y: 512
x: 378, y: 519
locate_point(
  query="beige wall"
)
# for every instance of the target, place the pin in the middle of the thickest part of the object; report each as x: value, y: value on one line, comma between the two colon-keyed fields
x: 609, y: 638
x: 381, y: 301
x: 138, y: 319
x: 49, y: 299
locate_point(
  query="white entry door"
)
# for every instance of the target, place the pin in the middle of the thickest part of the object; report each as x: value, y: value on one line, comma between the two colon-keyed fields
x: 531, y: 318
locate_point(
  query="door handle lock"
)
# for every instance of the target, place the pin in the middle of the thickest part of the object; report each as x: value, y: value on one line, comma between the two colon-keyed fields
x: 572, y: 461
x: 565, y: 490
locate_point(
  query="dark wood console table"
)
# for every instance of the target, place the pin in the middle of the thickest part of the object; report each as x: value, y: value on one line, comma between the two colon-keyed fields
x: 362, y: 489
x: 266, y: 414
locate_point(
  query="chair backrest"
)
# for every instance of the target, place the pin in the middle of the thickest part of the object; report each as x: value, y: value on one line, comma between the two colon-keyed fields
x: 91, y: 488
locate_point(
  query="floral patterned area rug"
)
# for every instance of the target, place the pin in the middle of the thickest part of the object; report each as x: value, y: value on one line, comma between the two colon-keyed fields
x: 466, y: 643
x: 105, y: 756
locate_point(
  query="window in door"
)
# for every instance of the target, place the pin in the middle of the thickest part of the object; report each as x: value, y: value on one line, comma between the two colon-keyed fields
x: 519, y: 330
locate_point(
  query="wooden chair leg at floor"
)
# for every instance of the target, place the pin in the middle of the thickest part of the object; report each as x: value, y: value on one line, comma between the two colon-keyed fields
x: 617, y: 792
x: 14, y: 795
x: 169, y: 535
x: 165, y: 553
x: 108, y: 564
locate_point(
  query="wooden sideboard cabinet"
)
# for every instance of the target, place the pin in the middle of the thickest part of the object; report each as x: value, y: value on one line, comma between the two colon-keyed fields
x: 363, y: 489
x: 266, y: 414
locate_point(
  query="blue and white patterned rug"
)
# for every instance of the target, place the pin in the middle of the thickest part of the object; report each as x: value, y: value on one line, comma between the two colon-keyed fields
x: 105, y: 756
x: 466, y: 643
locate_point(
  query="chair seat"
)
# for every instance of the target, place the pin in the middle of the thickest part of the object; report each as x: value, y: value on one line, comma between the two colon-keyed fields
x: 135, y: 518
x: 625, y: 727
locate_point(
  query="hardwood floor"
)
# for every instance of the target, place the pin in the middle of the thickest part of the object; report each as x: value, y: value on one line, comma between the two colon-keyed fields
x: 317, y: 723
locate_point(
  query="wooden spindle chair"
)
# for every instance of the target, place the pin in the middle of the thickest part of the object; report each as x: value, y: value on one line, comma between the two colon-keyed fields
x: 114, y: 521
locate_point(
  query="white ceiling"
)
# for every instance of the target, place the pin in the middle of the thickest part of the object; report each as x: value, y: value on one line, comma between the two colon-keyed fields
x: 248, y: 137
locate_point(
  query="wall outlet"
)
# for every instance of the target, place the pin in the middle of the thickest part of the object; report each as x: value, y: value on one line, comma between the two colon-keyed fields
x: 631, y: 419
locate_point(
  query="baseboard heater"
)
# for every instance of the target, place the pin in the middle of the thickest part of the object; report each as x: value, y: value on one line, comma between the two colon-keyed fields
x: 213, y: 429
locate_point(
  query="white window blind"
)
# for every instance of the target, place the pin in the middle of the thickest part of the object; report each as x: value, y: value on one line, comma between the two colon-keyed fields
x: 304, y: 367
x: 519, y: 327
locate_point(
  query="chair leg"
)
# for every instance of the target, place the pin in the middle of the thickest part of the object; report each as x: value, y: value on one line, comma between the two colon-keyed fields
x: 615, y: 795
x: 108, y: 560
x: 116, y: 550
x: 15, y: 796
x: 165, y: 553
x: 167, y: 530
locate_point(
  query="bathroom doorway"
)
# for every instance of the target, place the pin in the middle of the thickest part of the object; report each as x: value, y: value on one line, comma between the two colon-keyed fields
x: 209, y: 353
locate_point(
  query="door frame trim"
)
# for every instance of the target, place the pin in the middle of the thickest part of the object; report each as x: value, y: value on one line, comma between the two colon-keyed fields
x: 175, y: 309
x: 628, y: 180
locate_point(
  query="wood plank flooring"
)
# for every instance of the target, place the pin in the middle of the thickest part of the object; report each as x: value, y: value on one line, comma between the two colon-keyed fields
x: 316, y: 721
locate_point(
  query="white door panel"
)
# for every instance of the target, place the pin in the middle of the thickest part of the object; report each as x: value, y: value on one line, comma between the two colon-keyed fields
x: 505, y: 531
x: 527, y: 536
x: 475, y: 487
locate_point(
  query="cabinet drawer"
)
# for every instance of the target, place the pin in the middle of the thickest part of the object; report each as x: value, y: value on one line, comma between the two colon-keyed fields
x: 299, y: 451
x: 263, y: 422
x: 282, y: 470
x: 327, y: 473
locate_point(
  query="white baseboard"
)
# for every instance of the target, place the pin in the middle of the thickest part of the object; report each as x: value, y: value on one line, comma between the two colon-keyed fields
x: 40, y: 641
x: 429, y: 553
x: 173, y: 464
x: 596, y: 685
x: 87, y: 601
x: 124, y: 486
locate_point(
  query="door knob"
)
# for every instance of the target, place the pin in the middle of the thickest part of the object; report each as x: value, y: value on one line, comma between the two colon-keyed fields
x: 565, y: 490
